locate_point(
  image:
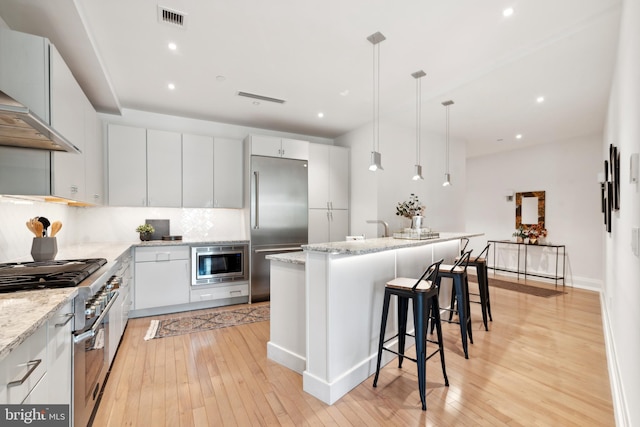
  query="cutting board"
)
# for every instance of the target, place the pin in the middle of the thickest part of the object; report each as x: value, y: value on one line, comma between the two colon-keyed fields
x: 161, y: 227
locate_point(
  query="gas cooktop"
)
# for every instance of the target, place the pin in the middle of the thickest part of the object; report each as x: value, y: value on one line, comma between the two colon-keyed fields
x: 47, y: 274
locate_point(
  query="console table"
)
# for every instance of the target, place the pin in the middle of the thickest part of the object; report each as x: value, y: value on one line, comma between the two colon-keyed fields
x: 523, y: 271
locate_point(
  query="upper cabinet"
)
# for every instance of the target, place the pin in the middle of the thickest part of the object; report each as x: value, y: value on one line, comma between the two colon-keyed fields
x: 173, y: 169
x: 127, y: 161
x: 328, y: 177
x: 279, y: 147
x: 164, y: 168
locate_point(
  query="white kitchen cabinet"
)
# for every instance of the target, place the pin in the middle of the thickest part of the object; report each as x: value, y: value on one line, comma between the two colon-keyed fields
x: 164, y: 168
x: 328, y: 225
x: 26, y: 172
x: 279, y: 147
x: 24, y: 367
x: 161, y: 276
x: 228, y: 173
x: 218, y: 292
x: 197, y: 171
x: 93, y: 156
x: 328, y: 177
x: 119, y: 314
x: 67, y: 117
x: 127, y: 165
x: 59, y: 351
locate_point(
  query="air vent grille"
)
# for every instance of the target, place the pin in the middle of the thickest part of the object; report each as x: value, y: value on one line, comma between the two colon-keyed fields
x: 171, y: 17
x: 261, y: 97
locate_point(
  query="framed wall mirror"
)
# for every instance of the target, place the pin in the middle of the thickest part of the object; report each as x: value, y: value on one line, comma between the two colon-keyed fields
x: 530, y: 208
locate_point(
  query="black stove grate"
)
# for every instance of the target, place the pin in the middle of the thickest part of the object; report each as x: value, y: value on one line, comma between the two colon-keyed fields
x: 47, y: 274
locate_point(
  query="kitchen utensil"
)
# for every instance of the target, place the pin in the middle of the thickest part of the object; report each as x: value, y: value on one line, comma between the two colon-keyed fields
x: 45, y: 225
x: 55, y: 227
x: 37, y: 225
x: 31, y: 228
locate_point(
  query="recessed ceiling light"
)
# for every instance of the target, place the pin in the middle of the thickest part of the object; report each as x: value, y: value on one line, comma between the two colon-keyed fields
x: 540, y: 99
x: 344, y: 92
x: 172, y: 46
x: 256, y: 102
x: 507, y: 12
x: 171, y: 86
x: 519, y: 136
x: 221, y: 78
x: 321, y: 115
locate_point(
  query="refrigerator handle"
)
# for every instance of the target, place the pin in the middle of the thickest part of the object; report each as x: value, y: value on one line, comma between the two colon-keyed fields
x: 256, y: 223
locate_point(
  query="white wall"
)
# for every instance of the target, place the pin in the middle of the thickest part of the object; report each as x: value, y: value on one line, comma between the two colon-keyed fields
x: 622, y: 279
x: 567, y: 172
x: 375, y: 195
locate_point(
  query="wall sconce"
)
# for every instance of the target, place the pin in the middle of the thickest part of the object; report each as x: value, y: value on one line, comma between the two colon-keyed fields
x: 376, y: 157
x: 509, y: 195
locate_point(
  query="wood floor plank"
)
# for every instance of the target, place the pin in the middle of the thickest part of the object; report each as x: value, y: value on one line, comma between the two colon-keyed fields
x: 542, y: 363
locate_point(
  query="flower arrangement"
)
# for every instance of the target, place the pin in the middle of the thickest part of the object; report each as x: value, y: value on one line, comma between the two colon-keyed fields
x: 536, y: 231
x: 145, y: 228
x: 411, y: 207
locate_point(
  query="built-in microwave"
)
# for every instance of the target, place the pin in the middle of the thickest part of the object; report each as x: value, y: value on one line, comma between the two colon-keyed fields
x: 219, y: 263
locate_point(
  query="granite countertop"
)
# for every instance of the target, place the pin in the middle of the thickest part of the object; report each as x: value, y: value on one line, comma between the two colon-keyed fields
x: 289, y: 257
x: 360, y: 247
x: 22, y: 313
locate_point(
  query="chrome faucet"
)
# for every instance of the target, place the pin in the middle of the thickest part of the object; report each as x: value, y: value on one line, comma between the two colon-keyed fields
x: 378, y: 221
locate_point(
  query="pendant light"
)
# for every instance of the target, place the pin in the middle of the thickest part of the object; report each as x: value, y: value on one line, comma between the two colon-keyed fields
x: 447, y: 175
x: 376, y: 157
x: 418, y: 168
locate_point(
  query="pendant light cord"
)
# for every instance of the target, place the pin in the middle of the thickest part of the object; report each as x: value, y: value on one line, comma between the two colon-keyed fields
x: 447, y: 151
x: 418, y: 115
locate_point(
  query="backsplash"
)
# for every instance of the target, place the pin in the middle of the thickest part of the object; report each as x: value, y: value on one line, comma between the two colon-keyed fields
x: 110, y: 224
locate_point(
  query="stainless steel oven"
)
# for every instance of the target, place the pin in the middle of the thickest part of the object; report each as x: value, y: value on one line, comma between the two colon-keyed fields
x: 91, y: 352
x: 219, y: 263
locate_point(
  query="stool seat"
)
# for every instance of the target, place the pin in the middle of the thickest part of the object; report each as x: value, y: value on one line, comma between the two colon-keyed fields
x: 450, y: 269
x: 407, y: 283
x: 423, y: 295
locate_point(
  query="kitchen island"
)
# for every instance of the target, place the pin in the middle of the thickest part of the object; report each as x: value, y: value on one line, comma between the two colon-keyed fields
x: 344, y: 289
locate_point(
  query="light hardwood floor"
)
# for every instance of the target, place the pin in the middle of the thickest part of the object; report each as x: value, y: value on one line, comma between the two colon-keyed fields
x: 542, y: 363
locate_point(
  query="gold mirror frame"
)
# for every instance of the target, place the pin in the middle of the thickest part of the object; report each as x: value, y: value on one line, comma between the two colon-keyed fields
x: 541, y: 205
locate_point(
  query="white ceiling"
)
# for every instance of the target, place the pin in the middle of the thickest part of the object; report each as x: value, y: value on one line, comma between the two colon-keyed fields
x: 307, y: 53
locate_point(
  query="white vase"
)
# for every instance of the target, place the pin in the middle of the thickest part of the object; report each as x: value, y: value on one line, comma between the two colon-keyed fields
x: 416, y: 222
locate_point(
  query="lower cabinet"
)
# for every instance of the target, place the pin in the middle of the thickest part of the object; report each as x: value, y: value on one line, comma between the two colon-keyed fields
x: 161, y: 276
x: 211, y: 293
x: 328, y: 225
x: 39, y: 370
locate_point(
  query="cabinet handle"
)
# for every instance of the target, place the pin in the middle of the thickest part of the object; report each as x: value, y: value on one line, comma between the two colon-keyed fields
x: 330, y: 205
x: 235, y: 292
x: 256, y: 200
x: 32, y: 364
x: 69, y: 317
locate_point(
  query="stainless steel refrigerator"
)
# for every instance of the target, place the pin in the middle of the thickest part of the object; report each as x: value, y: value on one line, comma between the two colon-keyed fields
x: 279, y: 215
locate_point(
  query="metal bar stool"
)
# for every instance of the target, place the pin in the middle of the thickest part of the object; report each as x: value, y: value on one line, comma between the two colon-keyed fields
x: 480, y: 264
x: 424, y: 296
x: 458, y: 274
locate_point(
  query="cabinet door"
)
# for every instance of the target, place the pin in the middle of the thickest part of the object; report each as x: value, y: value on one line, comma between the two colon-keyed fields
x: 318, y: 226
x: 127, y: 147
x: 294, y: 149
x: 164, y: 168
x: 159, y: 284
x: 197, y: 171
x: 59, y: 351
x: 67, y: 117
x: 339, y: 177
x: 338, y: 225
x: 265, y: 146
x: 228, y: 173
x: 93, y: 157
x: 25, y: 172
x: 318, y: 176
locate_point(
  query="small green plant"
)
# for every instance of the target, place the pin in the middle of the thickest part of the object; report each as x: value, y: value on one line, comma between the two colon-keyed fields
x: 410, y: 208
x: 145, y: 228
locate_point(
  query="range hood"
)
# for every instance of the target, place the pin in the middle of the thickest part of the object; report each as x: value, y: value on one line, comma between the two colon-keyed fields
x: 19, y: 127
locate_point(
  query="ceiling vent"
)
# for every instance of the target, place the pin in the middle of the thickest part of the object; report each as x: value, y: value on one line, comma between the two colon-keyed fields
x: 171, y: 17
x: 261, y: 97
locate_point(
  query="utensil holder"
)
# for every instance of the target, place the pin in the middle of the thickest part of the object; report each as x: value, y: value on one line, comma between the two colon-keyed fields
x: 44, y: 248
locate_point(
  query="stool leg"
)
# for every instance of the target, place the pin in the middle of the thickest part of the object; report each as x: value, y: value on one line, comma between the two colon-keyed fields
x: 383, y: 327
x: 453, y: 302
x: 486, y: 284
x: 419, y: 321
x: 462, y: 308
x: 435, y: 318
x: 403, y: 308
x: 465, y: 282
x: 483, y: 293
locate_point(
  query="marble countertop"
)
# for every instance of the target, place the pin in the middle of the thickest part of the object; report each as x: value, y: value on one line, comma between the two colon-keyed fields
x: 360, y: 247
x: 289, y: 257
x: 23, y: 312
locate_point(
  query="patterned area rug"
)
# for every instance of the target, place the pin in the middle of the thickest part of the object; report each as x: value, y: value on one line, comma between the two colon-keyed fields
x: 207, y: 321
x: 520, y: 287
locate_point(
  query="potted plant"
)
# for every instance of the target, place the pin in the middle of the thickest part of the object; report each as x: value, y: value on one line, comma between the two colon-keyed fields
x: 145, y: 230
x: 412, y: 209
x: 520, y: 234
